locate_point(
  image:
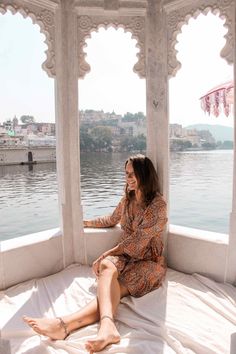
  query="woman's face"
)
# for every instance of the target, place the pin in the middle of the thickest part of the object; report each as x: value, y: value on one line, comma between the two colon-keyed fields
x: 130, y: 177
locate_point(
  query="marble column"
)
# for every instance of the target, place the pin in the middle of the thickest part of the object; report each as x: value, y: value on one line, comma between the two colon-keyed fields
x: 67, y: 133
x: 231, y: 259
x: 157, y: 94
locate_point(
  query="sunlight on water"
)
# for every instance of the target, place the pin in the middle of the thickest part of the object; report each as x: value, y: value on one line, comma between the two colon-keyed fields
x: 28, y: 200
x: 200, y: 192
x: 201, y: 189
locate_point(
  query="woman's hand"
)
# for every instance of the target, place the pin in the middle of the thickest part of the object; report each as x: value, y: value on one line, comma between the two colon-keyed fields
x: 116, y: 251
x: 96, y: 265
x: 86, y: 223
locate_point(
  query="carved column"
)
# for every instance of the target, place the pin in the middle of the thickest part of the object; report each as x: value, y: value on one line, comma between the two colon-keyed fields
x: 157, y: 93
x: 231, y: 259
x: 67, y: 123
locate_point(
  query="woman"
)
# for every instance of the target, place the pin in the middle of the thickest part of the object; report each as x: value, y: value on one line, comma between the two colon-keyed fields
x: 134, y: 267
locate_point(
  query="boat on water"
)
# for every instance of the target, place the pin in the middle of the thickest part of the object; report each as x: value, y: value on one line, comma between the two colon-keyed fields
x: 49, y: 273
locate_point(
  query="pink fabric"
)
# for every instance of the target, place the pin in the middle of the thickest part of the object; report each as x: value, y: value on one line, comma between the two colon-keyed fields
x: 219, y: 97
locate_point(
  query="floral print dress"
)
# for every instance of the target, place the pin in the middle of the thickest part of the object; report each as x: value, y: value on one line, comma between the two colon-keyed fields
x: 142, y: 266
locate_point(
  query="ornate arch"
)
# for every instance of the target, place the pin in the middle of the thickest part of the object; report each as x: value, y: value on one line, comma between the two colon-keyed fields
x: 135, y: 25
x: 177, y: 17
x: 45, y: 19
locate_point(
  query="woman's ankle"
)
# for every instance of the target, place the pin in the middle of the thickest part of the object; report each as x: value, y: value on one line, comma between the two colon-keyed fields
x: 74, y: 324
x: 64, y: 326
x: 111, y: 318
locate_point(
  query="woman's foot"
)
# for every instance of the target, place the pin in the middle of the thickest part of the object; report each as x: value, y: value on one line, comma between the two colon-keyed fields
x: 107, y: 334
x: 50, y: 327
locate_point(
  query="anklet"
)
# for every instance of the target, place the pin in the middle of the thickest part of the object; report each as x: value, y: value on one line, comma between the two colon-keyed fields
x: 105, y: 316
x: 64, y: 326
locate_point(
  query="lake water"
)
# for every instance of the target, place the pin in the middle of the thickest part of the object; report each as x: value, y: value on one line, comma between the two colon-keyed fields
x: 200, y: 191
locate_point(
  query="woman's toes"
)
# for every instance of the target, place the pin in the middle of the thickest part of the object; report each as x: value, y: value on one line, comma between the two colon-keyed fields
x: 88, y: 347
x: 30, y: 321
x: 25, y: 319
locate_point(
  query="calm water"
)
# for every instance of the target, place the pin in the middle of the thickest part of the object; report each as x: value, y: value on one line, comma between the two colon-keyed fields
x: 200, y: 194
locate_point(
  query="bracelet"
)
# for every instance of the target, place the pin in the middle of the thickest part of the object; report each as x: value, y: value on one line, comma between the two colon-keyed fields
x: 64, y: 326
x: 105, y: 316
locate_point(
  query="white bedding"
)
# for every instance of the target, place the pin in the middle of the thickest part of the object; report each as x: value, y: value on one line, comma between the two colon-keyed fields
x: 188, y: 314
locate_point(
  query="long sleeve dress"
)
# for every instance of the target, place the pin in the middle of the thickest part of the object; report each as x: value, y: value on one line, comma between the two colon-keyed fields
x: 142, y: 266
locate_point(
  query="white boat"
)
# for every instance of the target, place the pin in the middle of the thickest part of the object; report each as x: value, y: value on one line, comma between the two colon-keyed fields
x: 194, y: 311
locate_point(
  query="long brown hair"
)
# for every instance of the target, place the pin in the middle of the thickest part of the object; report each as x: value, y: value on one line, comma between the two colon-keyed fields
x: 147, y: 177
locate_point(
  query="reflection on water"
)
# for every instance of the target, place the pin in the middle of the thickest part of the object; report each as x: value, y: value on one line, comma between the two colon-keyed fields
x: 201, y: 184
x: 102, y: 182
x: 201, y: 189
x: 28, y: 199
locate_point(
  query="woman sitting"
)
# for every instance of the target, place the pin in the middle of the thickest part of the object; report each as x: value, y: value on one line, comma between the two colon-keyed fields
x: 134, y: 267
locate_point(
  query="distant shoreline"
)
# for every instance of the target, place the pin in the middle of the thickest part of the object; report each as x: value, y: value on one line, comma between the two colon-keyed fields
x: 26, y: 155
x: 46, y: 154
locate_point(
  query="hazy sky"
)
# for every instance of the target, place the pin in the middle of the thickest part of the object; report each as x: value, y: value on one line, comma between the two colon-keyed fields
x: 111, y: 85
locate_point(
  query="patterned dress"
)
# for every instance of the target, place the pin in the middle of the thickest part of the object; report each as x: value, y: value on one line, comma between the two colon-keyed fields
x: 142, y: 266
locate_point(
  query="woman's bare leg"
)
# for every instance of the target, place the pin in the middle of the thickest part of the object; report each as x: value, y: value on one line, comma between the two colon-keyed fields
x: 52, y: 327
x: 86, y: 316
x: 109, y: 295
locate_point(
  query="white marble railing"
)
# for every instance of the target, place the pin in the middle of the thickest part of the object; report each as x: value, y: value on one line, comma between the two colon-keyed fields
x: 41, y: 254
x: 197, y: 251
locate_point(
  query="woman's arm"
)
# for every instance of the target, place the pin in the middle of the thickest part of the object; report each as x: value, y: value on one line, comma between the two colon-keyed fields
x: 115, y: 251
x: 107, y: 221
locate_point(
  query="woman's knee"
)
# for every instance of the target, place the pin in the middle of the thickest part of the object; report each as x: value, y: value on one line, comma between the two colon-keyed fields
x: 107, y: 267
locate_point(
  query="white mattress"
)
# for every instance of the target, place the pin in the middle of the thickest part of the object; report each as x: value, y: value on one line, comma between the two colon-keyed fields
x: 188, y: 314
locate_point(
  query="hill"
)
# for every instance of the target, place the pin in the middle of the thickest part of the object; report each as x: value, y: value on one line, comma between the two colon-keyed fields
x: 219, y: 132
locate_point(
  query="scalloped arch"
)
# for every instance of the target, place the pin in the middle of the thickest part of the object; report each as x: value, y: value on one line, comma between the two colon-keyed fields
x: 45, y: 19
x: 179, y: 17
x: 135, y: 25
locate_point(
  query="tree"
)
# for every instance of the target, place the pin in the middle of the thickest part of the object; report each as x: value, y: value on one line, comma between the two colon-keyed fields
x: 227, y: 144
x: 187, y: 144
x: 27, y: 119
x: 209, y: 146
x: 86, y: 141
x: 128, y: 117
x: 139, y: 143
x: 133, y: 117
x: 126, y: 143
x: 102, y: 138
x: 140, y: 116
x: 180, y: 145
